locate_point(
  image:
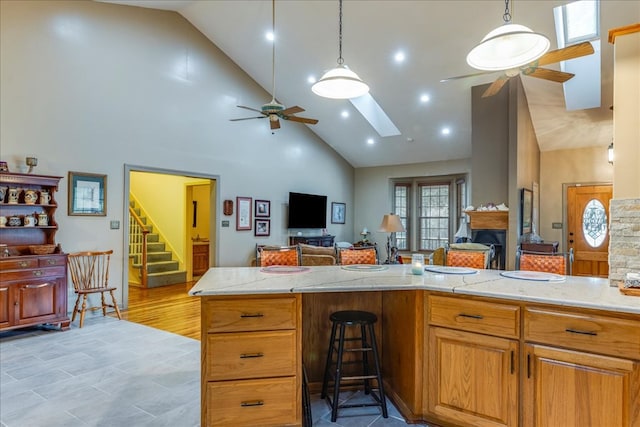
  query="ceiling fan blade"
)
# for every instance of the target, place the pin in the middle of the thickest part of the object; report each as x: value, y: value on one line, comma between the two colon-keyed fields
x: 275, y: 124
x: 301, y: 119
x: 496, y: 86
x: 247, y: 118
x: 249, y: 108
x: 566, y: 53
x: 553, y: 75
x: 482, y: 73
x: 291, y: 110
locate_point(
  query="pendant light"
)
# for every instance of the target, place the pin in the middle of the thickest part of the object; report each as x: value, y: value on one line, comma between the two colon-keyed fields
x: 508, y: 46
x: 340, y: 82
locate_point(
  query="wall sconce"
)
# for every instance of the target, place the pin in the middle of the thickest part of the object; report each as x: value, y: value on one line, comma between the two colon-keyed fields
x: 610, y: 153
x: 31, y: 162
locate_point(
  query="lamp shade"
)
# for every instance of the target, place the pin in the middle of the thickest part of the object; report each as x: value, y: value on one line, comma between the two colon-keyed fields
x: 391, y: 224
x: 340, y: 83
x: 508, y: 46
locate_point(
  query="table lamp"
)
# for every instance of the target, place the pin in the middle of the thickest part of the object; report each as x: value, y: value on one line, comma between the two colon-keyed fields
x: 391, y: 224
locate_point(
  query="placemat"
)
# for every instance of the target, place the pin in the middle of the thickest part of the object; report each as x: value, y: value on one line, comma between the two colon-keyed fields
x: 284, y: 269
x: 539, y: 276
x: 365, y: 267
x: 444, y: 269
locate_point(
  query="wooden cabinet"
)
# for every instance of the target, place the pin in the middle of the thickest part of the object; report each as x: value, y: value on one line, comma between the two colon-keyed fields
x: 251, y: 366
x: 326, y: 241
x: 33, y: 288
x: 200, y: 258
x: 581, y: 369
x: 471, y: 362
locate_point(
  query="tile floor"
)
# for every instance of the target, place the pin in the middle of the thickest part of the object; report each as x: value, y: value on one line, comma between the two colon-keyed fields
x: 118, y: 373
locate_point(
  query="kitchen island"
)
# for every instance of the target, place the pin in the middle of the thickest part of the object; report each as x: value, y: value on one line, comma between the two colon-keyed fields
x: 550, y: 352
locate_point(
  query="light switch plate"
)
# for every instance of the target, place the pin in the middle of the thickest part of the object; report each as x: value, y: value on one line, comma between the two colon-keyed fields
x: 225, y: 223
x: 115, y: 225
x: 556, y: 225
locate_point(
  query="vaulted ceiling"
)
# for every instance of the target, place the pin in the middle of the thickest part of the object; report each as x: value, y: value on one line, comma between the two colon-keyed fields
x: 435, y: 37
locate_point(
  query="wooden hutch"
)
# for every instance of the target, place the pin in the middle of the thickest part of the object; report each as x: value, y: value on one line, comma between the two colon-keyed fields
x: 33, y: 283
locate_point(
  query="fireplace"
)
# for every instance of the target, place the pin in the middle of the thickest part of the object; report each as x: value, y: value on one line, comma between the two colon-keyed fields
x: 497, y: 238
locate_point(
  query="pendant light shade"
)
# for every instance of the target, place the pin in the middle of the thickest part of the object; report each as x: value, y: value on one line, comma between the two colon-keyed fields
x: 508, y: 46
x: 340, y: 82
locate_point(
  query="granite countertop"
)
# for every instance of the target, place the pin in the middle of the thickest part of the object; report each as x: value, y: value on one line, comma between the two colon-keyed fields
x: 573, y: 291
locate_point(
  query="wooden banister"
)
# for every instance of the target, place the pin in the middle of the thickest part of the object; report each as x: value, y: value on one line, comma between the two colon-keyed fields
x: 138, y: 242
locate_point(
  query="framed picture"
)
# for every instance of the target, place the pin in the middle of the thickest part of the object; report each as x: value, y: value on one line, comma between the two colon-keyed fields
x: 338, y: 211
x: 243, y: 213
x: 87, y: 194
x: 4, y: 167
x: 263, y: 208
x: 263, y: 227
x: 526, y: 211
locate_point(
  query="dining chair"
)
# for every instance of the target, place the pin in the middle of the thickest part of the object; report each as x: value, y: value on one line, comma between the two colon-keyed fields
x: 278, y: 255
x: 89, y: 272
x: 558, y: 262
x: 350, y: 256
x: 473, y: 255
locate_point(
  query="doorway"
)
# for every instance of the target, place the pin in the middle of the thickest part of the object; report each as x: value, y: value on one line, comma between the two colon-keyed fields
x: 588, y: 228
x: 168, y: 194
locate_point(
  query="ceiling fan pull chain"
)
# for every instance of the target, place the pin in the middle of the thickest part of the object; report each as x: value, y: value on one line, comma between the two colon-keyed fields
x: 507, y: 15
x: 340, y: 60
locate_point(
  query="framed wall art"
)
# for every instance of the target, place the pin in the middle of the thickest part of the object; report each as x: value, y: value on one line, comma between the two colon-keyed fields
x: 87, y: 194
x: 263, y: 208
x: 338, y: 211
x: 263, y: 227
x: 526, y: 211
x: 243, y: 213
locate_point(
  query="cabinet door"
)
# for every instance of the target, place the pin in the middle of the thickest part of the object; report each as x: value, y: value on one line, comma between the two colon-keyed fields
x: 472, y: 378
x: 571, y: 388
x: 5, y: 306
x: 39, y: 300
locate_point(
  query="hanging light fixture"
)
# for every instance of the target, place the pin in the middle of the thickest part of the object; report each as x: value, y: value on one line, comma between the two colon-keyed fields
x: 508, y: 46
x: 340, y: 82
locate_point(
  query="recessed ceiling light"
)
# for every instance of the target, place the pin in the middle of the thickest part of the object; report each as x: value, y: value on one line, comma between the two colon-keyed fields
x: 370, y: 141
x: 424, y: 98
x: 270, y: 36
x: 399, y: 56
x: 445, y: 131
x: 345, y: 114
x: 311, y: 79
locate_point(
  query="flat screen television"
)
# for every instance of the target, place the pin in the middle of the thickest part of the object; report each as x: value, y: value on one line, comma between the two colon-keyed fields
x: 307, y: 211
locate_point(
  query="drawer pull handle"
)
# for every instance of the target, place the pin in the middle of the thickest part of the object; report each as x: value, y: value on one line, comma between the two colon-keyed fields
x: 37, y: 273
x: 245, y: 315
x: 251, y: 355
x: 51, y: 261
x: 36, y: 286
x: 471, y: 316
x: 575, y: 331
x: 23, y: 264
x: 528, y: 365
x: 253, y: 403
x: 513, y: 361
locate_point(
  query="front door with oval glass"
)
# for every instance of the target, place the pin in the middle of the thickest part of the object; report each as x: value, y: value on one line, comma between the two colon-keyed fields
x: 588, y: 228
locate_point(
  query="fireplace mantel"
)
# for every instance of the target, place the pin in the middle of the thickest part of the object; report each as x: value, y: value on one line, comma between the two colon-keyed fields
x: 488, y: 220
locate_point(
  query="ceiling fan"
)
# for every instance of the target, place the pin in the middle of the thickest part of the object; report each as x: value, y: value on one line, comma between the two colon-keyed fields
x: 273, y: 109
x: 534, y: 69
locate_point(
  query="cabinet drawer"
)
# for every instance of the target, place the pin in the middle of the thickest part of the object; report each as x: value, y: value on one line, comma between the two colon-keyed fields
x: 248, y: 314
x: 35, y: 273
x: 475, y: 316
x: 251, y: 355
x: 52, y: 261
x: 598, y: 334
x: 16, y: 264
x: 270, y: 402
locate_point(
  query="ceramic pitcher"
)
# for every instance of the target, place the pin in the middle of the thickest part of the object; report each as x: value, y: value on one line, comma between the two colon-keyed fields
x: 43, y: 219
x: 45, y: 197
x: 3, y: 192
x: 13, y: 194
x: 29, y: 221
x: 30, y: 197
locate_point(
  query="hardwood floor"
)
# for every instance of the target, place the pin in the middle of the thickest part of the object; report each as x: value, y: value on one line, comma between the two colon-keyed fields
x: 169, y: 308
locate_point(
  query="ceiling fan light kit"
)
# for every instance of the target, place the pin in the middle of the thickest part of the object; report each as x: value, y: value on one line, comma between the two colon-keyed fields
x: 508, y: 46
x: 340, y: 82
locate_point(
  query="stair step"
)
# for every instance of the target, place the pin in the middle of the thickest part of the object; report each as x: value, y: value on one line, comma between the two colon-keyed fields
x: 155, y: 247
x: 155, y: 280
x: 153, y: 238
x: 162, y: 267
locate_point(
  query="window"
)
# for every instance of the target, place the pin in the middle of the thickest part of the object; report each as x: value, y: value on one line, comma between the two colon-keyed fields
x: 581, y: 21
x: 430, y: 210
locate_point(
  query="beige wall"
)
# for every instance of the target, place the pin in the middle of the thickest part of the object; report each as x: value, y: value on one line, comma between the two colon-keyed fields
x: 583, y: 165
x: 92, y: 87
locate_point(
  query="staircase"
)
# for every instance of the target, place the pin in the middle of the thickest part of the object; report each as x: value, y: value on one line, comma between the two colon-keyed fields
x: 162, y: 270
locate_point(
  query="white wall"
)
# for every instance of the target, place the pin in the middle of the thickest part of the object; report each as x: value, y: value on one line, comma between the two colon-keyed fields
x: 91, y: 87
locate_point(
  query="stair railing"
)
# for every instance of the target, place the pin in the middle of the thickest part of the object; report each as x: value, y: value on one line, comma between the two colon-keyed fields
x: 138, y: 232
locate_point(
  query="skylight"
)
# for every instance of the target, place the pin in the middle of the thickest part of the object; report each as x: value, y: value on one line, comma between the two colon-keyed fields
x: 581, y: 21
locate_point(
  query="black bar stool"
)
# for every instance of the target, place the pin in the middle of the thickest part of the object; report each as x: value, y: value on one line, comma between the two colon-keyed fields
x: 334, y: 368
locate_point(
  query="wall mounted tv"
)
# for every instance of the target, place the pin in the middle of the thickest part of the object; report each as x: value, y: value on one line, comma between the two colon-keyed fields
x: 307, y: 210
